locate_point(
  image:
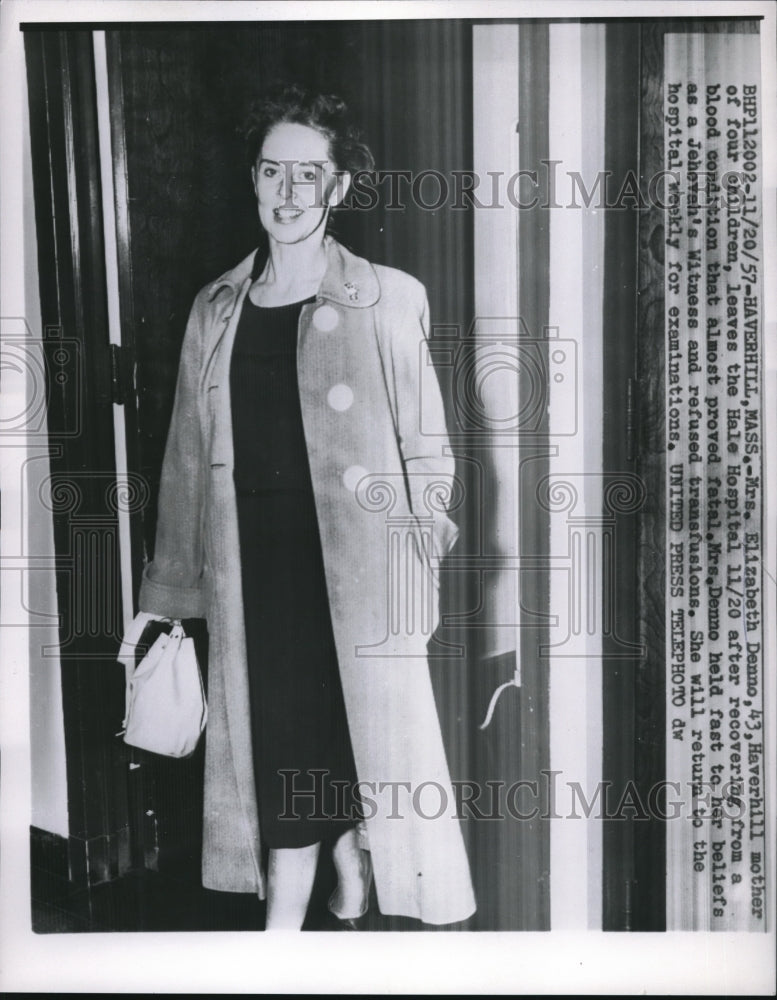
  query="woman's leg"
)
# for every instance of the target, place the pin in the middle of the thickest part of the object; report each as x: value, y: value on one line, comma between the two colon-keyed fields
x: 354, y: 875
x: 290, y: 875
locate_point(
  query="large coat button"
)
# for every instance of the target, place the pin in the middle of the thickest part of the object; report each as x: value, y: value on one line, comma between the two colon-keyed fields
x: 353, y: 475
x: 325, y: 318
x: 340, y: 397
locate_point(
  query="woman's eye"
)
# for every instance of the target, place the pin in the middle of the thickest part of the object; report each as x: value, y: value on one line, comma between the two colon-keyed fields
x: 269, y: 171
x: 308, y: 175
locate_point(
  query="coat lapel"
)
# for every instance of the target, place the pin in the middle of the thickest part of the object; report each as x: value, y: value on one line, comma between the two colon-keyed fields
x: 349, y: 280
x: 216, y: 386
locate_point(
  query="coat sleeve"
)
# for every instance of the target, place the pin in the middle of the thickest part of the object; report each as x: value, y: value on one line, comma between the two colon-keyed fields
x: 420, y: 419
x: 172, y: 583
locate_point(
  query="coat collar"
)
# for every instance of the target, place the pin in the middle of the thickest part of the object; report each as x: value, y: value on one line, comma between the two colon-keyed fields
x: 349, y: 280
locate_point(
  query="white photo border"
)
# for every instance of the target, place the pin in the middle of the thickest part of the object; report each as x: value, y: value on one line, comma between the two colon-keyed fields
x: 478, y: 962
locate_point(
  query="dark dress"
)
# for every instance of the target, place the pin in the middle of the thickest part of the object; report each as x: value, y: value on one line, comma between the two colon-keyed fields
x: 300, y: 732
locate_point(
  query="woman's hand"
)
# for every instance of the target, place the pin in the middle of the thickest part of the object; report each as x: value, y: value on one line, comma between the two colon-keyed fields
x: 126, y: 654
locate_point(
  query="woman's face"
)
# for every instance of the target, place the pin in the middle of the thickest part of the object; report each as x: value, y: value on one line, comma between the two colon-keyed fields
x: 295, y: 182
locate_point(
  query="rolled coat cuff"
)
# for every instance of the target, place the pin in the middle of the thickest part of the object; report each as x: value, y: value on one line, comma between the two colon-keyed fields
x: 169, y: 600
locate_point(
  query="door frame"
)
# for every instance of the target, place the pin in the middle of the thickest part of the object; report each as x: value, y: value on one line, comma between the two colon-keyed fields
x: 85, y: 495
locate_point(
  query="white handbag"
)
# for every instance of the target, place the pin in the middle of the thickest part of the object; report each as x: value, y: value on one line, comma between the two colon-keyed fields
x: 166, y: 710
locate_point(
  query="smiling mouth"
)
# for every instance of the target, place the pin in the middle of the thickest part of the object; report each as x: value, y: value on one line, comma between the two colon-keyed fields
x: 287, y: 214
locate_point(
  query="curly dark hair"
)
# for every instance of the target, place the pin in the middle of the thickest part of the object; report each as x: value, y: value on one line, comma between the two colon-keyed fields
x: 326, y: 113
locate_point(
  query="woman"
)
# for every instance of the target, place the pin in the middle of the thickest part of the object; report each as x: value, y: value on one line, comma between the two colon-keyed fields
x: 306, y: 455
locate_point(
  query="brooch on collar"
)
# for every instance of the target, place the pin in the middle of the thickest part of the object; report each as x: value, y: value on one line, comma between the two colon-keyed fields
x: 352, y: 289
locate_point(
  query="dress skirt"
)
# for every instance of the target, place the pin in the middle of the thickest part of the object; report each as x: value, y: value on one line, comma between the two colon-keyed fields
x: 303, y: 761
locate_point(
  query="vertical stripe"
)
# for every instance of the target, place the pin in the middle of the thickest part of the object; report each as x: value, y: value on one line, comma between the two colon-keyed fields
x: 510, y: 64
x: 593, y: 81
x: 619, y: 665
x: 536, y: 447
x: 495, y: 99
x: 575, y: 318
x: 114, y: 317
x: 568, y: 841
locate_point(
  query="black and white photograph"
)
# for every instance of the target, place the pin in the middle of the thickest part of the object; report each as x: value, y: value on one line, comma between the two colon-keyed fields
x: 387, y: 440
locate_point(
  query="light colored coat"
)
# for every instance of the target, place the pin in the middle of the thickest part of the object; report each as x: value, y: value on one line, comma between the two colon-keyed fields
x: 382, y: 476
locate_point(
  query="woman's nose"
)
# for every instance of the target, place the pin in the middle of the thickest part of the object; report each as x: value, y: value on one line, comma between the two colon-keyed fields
x: 287, y: 184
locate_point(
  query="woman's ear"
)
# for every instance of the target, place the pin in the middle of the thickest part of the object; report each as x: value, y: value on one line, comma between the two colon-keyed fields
x: 342, y: 181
